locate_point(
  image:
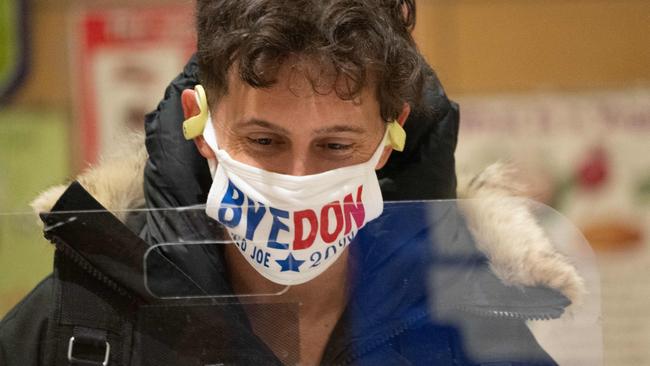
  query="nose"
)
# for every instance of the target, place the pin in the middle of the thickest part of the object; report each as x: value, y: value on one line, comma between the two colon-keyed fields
x: 300, y: 161
x: 298, y: 165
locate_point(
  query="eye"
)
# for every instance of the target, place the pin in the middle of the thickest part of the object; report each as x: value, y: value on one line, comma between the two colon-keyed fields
x: 338, y: 146
x: 264, y: 141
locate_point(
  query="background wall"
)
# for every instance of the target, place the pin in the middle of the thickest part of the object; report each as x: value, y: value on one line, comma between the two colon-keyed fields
x: 502, y: 46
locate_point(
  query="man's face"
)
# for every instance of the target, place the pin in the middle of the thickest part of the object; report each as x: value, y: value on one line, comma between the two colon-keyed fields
x: 290, y: 129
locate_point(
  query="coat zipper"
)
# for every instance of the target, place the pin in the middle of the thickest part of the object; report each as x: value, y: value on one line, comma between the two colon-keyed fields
x: 83, y: 263
x: 499, y: 314
x: 354, y: 355
x: 505, y: 314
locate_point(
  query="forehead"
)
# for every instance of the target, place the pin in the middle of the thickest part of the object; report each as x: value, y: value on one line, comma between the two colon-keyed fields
x: 304, y: 91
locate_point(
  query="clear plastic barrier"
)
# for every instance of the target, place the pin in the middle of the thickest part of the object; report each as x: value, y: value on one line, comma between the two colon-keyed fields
x: 421, y: 269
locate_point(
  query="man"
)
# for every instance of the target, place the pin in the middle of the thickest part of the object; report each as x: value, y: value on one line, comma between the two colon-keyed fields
x: 302, y: 102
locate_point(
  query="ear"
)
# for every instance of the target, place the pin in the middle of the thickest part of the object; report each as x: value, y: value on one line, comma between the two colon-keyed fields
x: 401, y: 119
x: 190, y: 109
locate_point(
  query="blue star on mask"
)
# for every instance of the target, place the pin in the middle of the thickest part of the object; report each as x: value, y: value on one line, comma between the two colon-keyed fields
x: 290, y: 264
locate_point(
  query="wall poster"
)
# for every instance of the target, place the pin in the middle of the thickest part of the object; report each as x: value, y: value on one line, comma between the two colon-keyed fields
x: 124, y: 57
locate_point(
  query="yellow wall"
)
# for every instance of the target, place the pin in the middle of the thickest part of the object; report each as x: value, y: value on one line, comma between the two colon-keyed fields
x: 484, y: 46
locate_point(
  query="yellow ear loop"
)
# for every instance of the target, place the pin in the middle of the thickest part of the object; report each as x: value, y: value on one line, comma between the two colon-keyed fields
x: 194, y: 126
x: 396, y: 136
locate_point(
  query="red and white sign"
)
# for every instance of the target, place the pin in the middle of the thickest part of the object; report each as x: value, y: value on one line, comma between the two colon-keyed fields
x: 124, y: 59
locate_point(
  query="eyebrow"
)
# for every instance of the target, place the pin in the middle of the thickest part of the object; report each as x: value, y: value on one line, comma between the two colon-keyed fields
x: 329, y: 129
x: 264, y: 124
x: 340, y: 128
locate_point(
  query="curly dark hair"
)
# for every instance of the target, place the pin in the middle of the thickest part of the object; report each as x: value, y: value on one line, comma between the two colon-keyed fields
x: 367, y: 42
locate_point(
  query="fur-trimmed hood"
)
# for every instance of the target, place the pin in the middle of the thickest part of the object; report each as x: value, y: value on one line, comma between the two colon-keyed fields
x: 505, y: 230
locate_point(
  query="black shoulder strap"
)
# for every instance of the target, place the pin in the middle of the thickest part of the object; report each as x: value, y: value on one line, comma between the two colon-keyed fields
x: 89, y: 324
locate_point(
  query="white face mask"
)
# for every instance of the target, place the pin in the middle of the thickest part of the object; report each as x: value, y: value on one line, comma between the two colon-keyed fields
x: 291, y: 228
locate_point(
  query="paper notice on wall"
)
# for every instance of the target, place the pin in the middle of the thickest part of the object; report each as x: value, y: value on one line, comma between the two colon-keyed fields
x: 124, y: 58
x: 588, y: 156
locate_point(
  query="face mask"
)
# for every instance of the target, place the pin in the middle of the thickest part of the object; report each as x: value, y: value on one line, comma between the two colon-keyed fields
x: 292, y: 228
